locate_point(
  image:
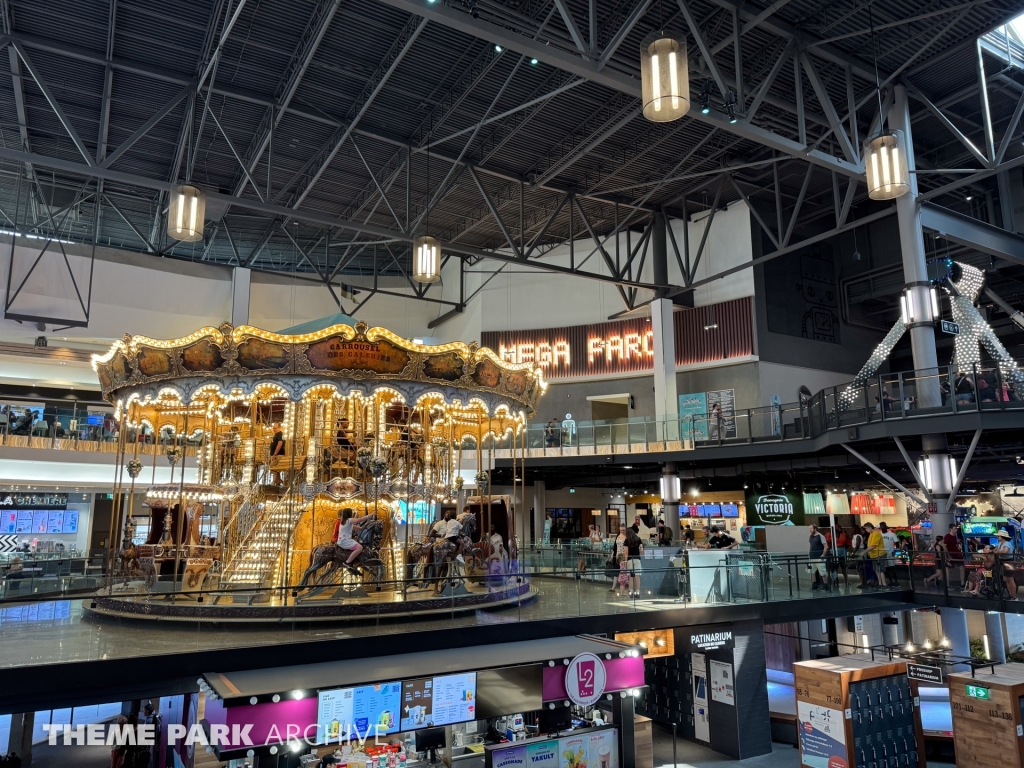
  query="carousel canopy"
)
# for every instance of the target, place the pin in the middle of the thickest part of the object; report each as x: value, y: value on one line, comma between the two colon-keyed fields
x: 349, y: 358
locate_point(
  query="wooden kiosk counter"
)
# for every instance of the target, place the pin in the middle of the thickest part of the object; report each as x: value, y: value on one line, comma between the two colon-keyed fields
x: 856, y: 712
x: 987, y: 717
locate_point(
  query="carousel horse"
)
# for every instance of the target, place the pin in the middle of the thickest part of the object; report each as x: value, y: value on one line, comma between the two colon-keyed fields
x: 332, y: 557
x: 129, y: 561
x: 422, y: 554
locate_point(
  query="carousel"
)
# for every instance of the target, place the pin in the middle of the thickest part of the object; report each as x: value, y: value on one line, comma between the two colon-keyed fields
x: 320, y: 474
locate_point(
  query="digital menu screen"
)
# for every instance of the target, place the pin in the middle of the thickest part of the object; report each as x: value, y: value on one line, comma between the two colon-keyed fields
x: 432, y: 701
x: 24, y: 521
x: 9, y: 521
x: 730, y: 510
x: 39, y: 520
x: 713, y: 510
x: 71, y: 521
x: 369, y: 710
x: 55, y: 521
x: 694, y: 510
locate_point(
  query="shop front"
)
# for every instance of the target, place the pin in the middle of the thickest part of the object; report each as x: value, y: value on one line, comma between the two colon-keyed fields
x: 560, y: 703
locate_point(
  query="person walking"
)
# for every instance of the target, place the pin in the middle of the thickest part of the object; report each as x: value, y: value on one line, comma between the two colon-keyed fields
x: 874, y: 556
x: 816, y: 559
x: 954, y: 554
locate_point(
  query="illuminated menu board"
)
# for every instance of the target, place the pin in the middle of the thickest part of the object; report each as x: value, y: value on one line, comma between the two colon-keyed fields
x: 440, y: 700
x: 39, y: 521
x: 368, y: 710
x: 730, y: 510
x: 713, y: 510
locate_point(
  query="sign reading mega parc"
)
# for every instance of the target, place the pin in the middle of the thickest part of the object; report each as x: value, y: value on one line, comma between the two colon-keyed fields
x: 627, y: 346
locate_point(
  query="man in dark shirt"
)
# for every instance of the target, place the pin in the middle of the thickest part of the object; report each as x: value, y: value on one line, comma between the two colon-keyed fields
x: 721, y: 540
x: 635, y: 527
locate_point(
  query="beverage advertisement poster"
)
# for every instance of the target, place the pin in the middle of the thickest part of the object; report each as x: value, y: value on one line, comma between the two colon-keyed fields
x: 722, y: 682
x: 822, y: 736
x: 604, y: 752
x: 542, y: 754
x: 573, y: 752
x: 512, y: 757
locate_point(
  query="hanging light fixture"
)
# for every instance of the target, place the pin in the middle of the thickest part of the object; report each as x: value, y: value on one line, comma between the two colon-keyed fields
x: 665, y: 76
x: 426, y: 259
x: 886, y: 166
x: 426, y: 250
x: 885, y: 156
x: 186, y: 213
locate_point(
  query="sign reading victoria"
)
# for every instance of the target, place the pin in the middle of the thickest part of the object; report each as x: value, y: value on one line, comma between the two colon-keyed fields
x: 781, y: 508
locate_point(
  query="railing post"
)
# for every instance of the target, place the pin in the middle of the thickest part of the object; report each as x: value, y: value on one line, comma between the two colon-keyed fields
x: 903, y: 399
x: 750, y: 431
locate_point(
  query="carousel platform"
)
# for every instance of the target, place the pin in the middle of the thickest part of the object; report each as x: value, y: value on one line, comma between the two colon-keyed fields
x: 324, y: 607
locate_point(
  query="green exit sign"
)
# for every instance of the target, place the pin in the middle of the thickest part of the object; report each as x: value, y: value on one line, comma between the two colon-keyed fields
x: 977, y: 692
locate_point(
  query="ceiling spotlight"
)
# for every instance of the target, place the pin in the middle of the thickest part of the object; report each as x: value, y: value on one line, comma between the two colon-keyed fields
x: 498, y: 49
x: 474, y: 11
x: 705, y: 97
x: 857, y: 256
x: 534, y: 62
x: 731, y: 109
x: 968, y: 198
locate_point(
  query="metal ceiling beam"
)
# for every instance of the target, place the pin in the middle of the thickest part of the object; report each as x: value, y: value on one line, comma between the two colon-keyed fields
x: 54, y: 104
x: 570, y: 24
x: 613, y: 45
x: 394, y: 57
x: 461, y: 21
x: 973, y: 233
x: 220, y: 44
x: 109, y: 160
x: 281, y: 212
x: 319, y: 22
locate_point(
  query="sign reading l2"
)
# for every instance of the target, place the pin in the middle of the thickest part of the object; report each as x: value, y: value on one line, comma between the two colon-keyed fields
x: 585, y: 679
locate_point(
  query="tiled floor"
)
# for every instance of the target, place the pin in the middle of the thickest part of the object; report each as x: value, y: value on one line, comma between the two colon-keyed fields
x: 58, y: 631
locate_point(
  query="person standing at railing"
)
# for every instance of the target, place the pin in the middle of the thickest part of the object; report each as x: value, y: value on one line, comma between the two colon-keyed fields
x: 891, y: 540
x: 954, y: 554
x: 1004, y: 552
x: 874, y: 556
x: 277, y: 446
x: 855, y: 551
x: 816, y: 554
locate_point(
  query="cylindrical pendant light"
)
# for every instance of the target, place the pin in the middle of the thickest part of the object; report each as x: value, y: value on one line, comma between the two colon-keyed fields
x: 426, y: 259
x: 886, y: 166
x: 186, y: 213
x: 665, y: 76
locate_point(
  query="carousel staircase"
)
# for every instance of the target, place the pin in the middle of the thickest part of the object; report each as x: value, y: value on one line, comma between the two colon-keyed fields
x: 257, y: 558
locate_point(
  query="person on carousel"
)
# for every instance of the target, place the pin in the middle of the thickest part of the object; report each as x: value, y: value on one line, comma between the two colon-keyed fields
x: 452, y: 531
x: 344, y: 536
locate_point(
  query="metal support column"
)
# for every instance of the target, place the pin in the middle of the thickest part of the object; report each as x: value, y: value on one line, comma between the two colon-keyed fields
x: 623, y: 712
x: 915, y: 270
x: 671, y: 508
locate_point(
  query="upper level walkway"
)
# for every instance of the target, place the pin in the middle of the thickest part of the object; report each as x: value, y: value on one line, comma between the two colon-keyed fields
x: 885, y: 405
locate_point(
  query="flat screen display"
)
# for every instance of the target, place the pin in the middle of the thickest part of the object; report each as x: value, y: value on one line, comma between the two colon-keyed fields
x: 714, y: 510
x: 71, y: 521
x: 357, y: 712
x: 9, y: 521
x: 39, y: 521
x: 24, y: 521
x: 443, y: 700
x: 730, y: 510
x: 55, y: 521
x: 980, y: 529
x: 694, y: 510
